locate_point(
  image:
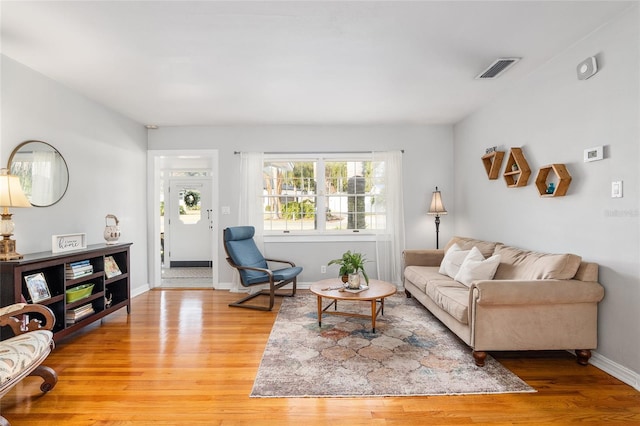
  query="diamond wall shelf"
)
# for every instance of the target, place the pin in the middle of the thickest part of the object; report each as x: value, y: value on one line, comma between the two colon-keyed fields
x: 517, y: 170
x: 561, y: 175
x: 492, y: 163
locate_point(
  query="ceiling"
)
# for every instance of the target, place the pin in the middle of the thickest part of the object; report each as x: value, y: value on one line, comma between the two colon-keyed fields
x: 181, y: 63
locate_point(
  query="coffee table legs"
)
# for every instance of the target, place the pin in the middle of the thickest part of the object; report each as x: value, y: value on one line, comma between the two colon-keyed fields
x: 320, y: 311
x: 374, y: 311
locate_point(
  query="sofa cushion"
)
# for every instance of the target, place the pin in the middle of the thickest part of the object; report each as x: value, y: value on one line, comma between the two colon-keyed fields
x: 486, y: 247
x: 451, y: 296
x: 476, y: 267
x: 452, y: 260
x: 421, y: 275
x: 521, y: 264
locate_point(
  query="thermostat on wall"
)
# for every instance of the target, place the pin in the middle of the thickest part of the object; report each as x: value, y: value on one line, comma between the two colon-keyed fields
x: 593, y: 154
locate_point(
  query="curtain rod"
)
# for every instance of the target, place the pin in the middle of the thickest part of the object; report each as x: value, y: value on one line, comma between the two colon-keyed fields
x: 316, y: 152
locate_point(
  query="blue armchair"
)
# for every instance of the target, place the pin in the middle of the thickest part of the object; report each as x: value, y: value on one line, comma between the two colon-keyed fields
x: 243, y: 255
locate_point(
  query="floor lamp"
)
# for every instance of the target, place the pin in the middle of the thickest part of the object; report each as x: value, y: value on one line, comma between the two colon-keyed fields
x: 437, y: 208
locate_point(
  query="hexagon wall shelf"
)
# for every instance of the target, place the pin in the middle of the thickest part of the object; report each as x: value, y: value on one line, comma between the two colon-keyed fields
x: 563, y: 177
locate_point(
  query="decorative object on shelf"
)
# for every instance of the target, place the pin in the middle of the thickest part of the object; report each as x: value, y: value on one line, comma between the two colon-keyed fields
x: 11, y: 195
x: 37, y: 287
x: 437, y: 208
x: 68, y: 242
x: 520, y: 175
x: 28, y: 160
x: 79, y: 292
x: 351, y: 264
x: 549, y: 189
x: 111, y: 232
x: 492, y: 161
x: 111, y: 267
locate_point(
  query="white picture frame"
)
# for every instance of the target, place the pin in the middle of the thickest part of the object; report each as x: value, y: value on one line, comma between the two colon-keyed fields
x: 68, y: 242
x: 37, y: 287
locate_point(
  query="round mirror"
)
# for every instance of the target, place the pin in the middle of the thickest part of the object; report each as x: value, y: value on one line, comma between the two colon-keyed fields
x: 43, y: 173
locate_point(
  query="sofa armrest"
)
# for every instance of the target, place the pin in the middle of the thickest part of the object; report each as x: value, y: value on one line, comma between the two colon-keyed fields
x: 535, y: 292
x: 419, y: 257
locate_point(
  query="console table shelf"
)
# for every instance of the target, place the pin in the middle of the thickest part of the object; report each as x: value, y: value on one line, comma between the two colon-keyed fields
x: 108, y: 294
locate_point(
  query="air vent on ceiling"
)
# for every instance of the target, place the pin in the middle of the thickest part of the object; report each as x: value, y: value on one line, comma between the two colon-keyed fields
x: 498, y: 66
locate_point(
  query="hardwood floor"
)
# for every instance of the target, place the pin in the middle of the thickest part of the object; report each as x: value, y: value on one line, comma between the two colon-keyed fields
x: 184, y: 358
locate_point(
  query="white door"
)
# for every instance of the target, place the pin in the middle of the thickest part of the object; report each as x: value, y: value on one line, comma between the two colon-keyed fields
x: 190, y: 223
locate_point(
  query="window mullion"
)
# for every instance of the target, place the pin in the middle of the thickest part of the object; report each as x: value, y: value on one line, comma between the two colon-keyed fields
x: 321, y: 200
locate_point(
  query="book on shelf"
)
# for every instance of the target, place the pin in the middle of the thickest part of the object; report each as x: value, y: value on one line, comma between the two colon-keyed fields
x: 78, y: 264
x: 74, y: 315
x: 80, y: 271
x: 111, y: 268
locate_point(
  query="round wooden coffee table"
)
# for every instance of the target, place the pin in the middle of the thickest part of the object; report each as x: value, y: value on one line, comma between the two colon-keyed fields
x: 334, y: 289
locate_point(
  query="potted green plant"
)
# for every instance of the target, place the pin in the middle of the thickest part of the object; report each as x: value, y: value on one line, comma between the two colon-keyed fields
x: 351, y: 264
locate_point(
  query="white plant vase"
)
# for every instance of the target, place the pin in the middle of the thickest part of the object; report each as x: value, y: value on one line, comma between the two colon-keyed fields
x: 354, y: 281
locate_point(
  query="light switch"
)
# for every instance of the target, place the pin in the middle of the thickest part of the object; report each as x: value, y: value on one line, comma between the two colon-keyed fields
x: 226, y: 210
x: 616, y: 189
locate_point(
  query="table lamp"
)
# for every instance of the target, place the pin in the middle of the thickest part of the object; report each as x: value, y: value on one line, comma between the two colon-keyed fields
x: 11, y: 195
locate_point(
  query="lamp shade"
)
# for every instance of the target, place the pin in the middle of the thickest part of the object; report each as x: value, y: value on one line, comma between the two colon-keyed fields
x: 436, y: 207
x: 11, y: 193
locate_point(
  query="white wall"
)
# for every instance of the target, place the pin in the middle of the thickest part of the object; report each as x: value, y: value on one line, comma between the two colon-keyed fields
x: 554, y: 117
x: 106, y: 156
x: 427, y: 162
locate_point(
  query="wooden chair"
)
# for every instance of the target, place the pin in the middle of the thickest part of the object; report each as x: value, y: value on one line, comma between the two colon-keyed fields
x: 243, y: 255
x: 22, y: 354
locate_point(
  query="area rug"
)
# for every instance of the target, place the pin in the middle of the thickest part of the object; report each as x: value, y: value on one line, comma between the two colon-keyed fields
x: 411, y: 353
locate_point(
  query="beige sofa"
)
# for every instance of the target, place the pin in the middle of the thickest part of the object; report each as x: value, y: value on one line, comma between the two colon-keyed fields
x: 535, y: 301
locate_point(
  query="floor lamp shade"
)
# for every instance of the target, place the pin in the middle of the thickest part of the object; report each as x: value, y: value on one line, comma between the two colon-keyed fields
x: 437, y: 208
x: 11, y: 195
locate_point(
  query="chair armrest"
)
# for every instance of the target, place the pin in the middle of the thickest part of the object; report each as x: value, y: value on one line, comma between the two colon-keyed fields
x: 535, y: 292
x: 281, y: 261
x: 418, y: 257
x: 9, y: 314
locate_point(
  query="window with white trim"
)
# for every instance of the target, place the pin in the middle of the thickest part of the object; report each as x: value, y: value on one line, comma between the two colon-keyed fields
x: 319, y: 194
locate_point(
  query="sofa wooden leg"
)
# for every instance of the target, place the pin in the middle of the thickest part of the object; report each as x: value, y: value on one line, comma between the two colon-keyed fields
x: 406, y: 292
x: 583, y: 356
x: 479, y: 357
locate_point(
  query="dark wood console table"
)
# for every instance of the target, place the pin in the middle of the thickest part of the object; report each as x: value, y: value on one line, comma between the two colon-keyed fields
x: 108, y: 294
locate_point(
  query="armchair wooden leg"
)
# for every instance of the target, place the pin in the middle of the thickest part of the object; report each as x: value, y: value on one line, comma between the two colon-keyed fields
x: 49, y: 376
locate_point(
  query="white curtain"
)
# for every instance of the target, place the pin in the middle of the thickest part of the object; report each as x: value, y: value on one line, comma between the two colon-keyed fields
x: 391, y: 243
x: 250, y: 210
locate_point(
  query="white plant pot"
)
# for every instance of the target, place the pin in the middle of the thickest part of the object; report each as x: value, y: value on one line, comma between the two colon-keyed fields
x: 354, y: 281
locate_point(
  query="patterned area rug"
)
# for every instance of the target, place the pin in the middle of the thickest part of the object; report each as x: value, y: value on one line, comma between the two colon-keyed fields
x: 411, y: 353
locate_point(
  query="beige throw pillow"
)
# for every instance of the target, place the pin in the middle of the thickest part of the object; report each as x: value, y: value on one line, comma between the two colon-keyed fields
x: 452, y: 260
x: 475, y: 267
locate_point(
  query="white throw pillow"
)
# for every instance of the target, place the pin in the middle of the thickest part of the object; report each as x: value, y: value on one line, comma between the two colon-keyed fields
x: 452, y: 260
x: 476, y: 267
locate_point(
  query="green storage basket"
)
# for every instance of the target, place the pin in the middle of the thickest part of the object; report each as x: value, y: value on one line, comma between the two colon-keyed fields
x: 80, y: 292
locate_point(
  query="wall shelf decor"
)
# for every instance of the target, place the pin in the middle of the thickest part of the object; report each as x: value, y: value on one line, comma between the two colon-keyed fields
x: 543, y: 179
x: 517, y: 170
x: 79, y: 292
x: 492, y: 163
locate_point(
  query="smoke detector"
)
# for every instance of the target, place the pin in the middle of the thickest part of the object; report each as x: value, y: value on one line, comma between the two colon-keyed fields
x: 498, y: 66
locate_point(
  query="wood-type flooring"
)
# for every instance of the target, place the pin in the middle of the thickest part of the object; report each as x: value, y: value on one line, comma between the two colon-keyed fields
x: 183, y: 357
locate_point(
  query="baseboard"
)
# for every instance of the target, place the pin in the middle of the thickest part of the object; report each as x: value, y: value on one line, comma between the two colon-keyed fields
x: 618, y: 371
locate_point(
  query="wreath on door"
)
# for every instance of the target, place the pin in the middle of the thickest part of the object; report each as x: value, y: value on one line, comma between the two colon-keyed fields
x: 191, y: 198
